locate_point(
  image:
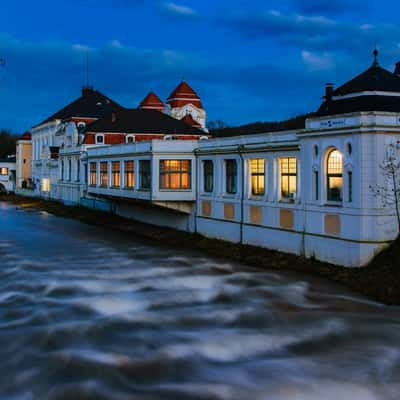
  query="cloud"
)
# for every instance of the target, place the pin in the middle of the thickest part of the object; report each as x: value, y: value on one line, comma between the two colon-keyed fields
x: 328, y: 7
x: 314, y: 32
x: 41, y: 77
x: 180, y: 11
x: 318, y: 62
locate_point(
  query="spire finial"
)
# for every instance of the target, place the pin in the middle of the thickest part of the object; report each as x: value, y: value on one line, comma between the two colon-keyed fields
x: 375, y: 53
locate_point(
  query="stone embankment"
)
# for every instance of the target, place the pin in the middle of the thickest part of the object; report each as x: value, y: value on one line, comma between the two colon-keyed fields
x: 379, y: 281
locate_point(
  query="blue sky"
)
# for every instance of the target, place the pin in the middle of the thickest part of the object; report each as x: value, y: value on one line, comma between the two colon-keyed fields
x: 249, y: 60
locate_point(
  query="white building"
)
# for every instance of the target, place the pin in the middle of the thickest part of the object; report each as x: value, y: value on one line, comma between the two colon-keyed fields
x: 321, y: 191
x: 7, y: 175
x: 62, y: 130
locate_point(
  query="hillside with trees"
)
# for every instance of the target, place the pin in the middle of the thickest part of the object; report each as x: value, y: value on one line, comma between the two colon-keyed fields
x: 8, y: 143
x: 220, y: 129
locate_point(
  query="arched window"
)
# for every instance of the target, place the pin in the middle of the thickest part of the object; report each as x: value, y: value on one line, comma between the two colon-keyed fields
x: 335, y: 176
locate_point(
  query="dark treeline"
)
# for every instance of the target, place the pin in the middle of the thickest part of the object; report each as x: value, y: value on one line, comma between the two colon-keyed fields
x: 219, y: 129
x: 7, y: 143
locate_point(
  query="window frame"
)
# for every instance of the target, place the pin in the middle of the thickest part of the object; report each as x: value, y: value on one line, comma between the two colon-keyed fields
x: 99, y: 135
x: 208, y: 176
x: 258, y: 174
x: 145, y: 180
x: 129, y: 175
x: 115, y: 174
x: 283, y: 175
x: 103, y: 174
x: 93, y: 174
x: 168, y: 172
x: 333, y: 175
x: 130, y: 137
x: 231, y: 176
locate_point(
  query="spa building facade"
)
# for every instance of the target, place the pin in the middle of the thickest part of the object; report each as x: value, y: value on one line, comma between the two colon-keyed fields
x: 324, y: 191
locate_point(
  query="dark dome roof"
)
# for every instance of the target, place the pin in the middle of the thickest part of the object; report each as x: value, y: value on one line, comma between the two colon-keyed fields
x: 374, y: 78
x: 350, y: 97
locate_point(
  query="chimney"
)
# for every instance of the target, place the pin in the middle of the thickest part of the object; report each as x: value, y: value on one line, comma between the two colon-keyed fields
x: 397, y: 70
x: 328, y: 91
x: 87, y: 90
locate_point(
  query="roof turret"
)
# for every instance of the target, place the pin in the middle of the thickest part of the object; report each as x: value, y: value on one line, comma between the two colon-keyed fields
x: 182, y: 95
x: 152, y: 102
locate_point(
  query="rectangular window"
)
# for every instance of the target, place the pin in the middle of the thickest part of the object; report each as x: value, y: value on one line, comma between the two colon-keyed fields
x: 116, y: 174
x: 3, y: 171
x: 144, y: 174
x: 350, y: 187
x: 175, y: 174
x: 78, y: 170
x: 69, y: 170
x: 288, y: 169
x: 93, y: 174
x: 104, y: 174
x: 257, y: 175
x: 62, y: 170
x: 85, y: 172
x: 231, y: 176
x: 46, y: 185
x: 316, y: 179
x: 129, y: 174
x: 208, y: 176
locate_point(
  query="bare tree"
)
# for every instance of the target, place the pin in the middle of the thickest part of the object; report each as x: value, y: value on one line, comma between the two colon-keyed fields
x: 389, y: 192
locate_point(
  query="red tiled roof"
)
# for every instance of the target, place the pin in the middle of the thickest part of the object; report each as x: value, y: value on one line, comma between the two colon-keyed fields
x: 188, y: 119
x: 26, y: 136
x: 183, y: 95
x: 152, y: 102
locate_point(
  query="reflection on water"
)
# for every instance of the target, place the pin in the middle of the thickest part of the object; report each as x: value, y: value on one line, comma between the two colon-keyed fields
x: 90, y: 314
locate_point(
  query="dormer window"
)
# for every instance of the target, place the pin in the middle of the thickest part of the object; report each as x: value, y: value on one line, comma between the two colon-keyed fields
x: 100, y: 139
x: 130, y: 139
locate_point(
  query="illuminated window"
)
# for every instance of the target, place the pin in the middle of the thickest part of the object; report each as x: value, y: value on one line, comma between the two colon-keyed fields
x: 231, y: 176
x: 334, y: 176
x: 288, y: 167
x: 129, y: 174
x: 115, y: 174
x: 46, y: 185
x: 93, y: 174
x: 257, y: 174
x: 175, y: 174
x: 104, y: 174
x: 3, y: 171
x: 144, y: 174
x: 208, y: 175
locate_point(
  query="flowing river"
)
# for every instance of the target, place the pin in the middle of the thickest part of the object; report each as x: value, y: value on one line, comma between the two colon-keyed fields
x: 86, y: 313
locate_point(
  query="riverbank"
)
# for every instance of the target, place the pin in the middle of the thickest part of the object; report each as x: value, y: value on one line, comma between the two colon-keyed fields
x: 379, y: 281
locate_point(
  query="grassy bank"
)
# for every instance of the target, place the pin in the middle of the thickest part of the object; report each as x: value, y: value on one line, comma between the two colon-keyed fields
x: 379, y: 281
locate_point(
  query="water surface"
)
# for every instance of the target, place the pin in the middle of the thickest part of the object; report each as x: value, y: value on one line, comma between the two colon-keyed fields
x: 87, y: 313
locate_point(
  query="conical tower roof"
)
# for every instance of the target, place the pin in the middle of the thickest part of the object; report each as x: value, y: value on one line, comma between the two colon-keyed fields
x: 182, y: 95
x: 152, y: 102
